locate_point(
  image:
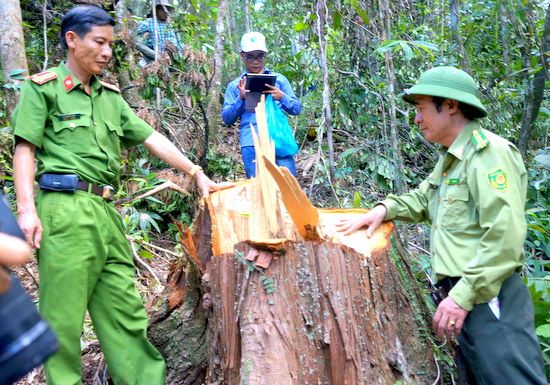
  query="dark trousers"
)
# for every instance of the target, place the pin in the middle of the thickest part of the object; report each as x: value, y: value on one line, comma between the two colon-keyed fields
x: 505, y: 351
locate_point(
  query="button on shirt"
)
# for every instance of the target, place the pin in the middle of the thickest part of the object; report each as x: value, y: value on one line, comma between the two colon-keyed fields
x: 75, y: 132
x: 478, y: 225
x: 233, y: 106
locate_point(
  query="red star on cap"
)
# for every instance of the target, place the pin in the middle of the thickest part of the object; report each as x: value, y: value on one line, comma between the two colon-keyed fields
x: 68, y: 82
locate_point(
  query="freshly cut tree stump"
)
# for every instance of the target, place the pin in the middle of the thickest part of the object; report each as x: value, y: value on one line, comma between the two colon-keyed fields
x: 321, y: 312
x: 290, y: 300
x: 296, y: 302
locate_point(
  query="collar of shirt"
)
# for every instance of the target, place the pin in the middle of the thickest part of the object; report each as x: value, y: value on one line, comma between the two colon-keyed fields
x: 459, y: 144
x: 70, y: 81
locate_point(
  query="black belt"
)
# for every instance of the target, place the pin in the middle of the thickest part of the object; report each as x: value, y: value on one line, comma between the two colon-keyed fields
x: 69, y: 183
x: 106, y: 192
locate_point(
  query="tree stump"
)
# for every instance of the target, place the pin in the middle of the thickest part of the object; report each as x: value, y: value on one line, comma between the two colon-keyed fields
x: 292, y: 301
x: 310, y: 312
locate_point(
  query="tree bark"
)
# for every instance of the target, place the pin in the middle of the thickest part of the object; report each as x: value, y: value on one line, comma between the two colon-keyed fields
x: 12, y: 48
x: 534, y: 98
x: 247, y: 23
x: 502, y: 34
x: 321, y: 11
x: 456, y: 36
x: 385, y: 17
x: 213, y: 109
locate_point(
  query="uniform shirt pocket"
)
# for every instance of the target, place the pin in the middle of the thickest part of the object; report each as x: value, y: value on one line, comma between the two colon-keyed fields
x: 74, y: 135
x: 114, y: 127
x: 454, y: 207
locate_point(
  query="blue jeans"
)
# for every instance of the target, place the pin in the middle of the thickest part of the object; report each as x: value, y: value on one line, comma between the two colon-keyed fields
x: 249, y: 156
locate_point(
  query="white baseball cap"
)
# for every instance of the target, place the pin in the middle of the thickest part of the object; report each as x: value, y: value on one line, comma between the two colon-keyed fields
x: 253, y: 41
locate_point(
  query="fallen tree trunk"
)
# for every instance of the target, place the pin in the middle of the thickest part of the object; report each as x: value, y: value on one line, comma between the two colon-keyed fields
x: 291, y: 300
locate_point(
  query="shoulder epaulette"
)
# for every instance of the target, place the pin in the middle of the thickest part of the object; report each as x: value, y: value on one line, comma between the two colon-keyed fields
x: 110, y: 86
x: 479, y: 140
x: 43, y: 77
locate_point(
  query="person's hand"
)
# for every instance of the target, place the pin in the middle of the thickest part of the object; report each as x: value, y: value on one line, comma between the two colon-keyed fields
x: 275, y: 92
x: 171, y: 47
x: 372, y: 219
x: 32, y: 227
x: 242, y: 88
x: 206, y: 185
x: 13, y: 251
x: 448, y: 319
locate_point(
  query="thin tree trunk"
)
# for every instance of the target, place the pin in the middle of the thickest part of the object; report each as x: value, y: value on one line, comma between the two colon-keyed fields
x: 321, y: 10
x: 502, y: 33
x: 456, y: 36
x: 525, y: 49
x: 385, y: 17
x: 213, y: 109
x: 12, y: 47
x: 531, y: 109
x: 235, y: 38
x: 247, y: 23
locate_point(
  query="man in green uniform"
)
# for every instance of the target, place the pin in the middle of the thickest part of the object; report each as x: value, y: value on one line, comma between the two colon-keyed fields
x: 75, y: 125
x: 474, y: 199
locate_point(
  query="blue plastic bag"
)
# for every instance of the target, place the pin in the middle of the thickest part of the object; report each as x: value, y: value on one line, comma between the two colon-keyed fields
x: 279, y: 129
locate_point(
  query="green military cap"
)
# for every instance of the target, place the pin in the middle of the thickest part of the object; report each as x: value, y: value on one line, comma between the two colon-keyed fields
x: 447, y: 82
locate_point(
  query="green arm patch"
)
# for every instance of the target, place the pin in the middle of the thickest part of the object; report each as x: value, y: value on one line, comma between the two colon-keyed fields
x: 452, y: 181
x: 497, y: 180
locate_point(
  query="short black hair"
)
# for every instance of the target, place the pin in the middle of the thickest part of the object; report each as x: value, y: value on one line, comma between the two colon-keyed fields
x: 82, y: 19
x: 468, y: 111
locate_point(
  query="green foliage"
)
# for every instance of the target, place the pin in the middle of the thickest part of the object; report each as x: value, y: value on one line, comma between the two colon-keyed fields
x: 222, y: 165
x: 139, y: 223
x: 540, y: 295
x: 537, y: 244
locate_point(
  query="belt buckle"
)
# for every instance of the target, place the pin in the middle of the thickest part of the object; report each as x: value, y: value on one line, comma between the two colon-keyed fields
x: 108, y: 192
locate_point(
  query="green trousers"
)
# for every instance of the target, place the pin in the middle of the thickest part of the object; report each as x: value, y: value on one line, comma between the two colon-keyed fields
x: 85, y: 263
x: 506, y: 350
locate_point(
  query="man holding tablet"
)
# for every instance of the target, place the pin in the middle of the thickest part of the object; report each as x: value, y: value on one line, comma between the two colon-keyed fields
x: 240, y: 101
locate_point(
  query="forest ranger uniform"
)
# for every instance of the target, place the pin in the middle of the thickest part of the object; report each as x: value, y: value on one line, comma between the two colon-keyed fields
x: 475, y: 199
x: 85, y: 261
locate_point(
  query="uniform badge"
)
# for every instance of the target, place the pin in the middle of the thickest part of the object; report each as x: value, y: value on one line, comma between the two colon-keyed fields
x: 68, y: 82
x: 43, y: 77
x: 452, y: 181
x: 63, y: 118
x: 497, y: 180
x: 479, y: 139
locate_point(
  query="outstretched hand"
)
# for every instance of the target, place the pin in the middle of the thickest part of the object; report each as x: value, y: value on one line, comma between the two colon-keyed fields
x: 372, y: 219
x: 206, y: 185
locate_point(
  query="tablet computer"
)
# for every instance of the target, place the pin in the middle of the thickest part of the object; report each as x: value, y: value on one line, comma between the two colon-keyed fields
x: 257, y: 82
